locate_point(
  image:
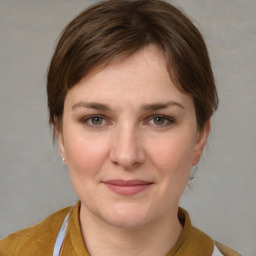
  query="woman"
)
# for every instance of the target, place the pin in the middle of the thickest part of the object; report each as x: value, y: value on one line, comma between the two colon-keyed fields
x: 130, y: 96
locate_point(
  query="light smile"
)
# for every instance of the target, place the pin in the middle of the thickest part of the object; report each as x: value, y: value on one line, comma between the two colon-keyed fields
x: 127, y: 187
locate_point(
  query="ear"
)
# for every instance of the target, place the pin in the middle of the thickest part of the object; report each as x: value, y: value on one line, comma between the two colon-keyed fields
x: 59, y: 135
x: 61, y: 146
x: 200, y: 142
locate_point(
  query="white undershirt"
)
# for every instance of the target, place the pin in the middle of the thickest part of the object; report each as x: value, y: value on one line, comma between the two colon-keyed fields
x: 216, y: 251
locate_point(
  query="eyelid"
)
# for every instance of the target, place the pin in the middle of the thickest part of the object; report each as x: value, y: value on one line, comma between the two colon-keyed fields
x: 85, y: 120
x: 170, y: 120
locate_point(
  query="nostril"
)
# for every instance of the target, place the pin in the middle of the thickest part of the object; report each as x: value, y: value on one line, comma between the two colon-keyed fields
x: 115, y: 163
x: 136, y: 164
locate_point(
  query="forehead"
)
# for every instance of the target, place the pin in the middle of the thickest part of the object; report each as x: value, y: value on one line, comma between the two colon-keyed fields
x: 145, y: 56
x: 140, y: 78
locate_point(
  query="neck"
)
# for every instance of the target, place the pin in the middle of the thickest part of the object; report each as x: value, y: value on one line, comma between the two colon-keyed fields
x: 155, y: 238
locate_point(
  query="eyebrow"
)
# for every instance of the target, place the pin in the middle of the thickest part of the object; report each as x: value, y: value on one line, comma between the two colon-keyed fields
x: 160, y: 105
x: 145, y: 107
x: 91, y: 105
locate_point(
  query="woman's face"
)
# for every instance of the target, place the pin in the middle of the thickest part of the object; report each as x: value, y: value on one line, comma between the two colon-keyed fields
x: 129, y: 138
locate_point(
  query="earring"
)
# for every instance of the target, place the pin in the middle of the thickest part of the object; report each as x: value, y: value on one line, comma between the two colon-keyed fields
x: 63, y: 160
x: 196, y: 160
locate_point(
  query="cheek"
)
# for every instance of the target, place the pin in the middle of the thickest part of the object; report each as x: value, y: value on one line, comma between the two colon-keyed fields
x: 174, y: 153
x: 173, y: 159
x: 84, y: 155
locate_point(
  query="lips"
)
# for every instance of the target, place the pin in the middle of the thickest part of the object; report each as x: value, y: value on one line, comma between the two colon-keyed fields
x: 127, y: 187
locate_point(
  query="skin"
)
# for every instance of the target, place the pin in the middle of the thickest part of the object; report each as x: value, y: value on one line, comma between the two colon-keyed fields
x: 132, y: 138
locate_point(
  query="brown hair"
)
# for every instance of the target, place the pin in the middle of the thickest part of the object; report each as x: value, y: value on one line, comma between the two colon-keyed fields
x: 116, y: 28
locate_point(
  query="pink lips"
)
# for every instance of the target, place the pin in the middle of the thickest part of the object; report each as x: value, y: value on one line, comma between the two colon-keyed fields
x: 127, y: 187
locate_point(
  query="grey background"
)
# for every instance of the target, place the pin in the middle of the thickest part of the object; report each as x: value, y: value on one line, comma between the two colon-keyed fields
x: 33, y: 181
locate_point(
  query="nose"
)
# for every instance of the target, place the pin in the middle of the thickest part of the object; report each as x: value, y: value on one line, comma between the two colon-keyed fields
x: 127, y: 150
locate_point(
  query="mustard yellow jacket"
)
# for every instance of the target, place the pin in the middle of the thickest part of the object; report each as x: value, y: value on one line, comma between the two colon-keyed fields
x: 39, y: 240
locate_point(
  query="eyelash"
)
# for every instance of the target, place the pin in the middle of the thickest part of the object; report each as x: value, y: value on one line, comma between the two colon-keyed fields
x: 87, y: 119
x: 167, y: 121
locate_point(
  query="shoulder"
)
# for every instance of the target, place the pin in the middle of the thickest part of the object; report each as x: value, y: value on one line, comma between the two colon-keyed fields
x: 200, y: 243
x: 219, y: 249
x: 38, y: 238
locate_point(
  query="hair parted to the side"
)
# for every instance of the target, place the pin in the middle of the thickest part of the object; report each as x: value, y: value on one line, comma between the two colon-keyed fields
x: 113, y: 29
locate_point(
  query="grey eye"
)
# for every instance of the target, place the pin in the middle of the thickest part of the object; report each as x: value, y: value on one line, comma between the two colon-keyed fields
x: 159, y: 120
x: 97, y: 120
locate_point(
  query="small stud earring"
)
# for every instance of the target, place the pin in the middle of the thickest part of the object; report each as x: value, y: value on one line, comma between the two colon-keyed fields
x: 196, y: 160
x: 63, y: 160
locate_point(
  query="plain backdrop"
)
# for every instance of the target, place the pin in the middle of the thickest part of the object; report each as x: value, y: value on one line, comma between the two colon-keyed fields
x: 33, y: 181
